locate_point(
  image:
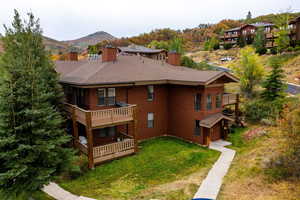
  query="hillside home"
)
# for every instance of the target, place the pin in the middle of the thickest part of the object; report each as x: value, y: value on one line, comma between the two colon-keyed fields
x: 294, y: 26
x: 117, y: 100
x: 158, y: 54
x: 248, y: 31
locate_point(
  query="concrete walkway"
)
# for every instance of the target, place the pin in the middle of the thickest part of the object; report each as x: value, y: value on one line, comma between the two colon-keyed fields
x: 211, y: 185
x: 58, y: 193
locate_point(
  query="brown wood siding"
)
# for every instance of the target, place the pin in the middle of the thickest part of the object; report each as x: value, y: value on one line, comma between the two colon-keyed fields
x: 173, y: 108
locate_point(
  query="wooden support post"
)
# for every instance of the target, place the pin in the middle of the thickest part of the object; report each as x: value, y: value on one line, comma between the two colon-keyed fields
x: 135, y: 129
x: 75, y: 127
x: 236, y: 109
x: 209, y: 135
x: 90, y: 139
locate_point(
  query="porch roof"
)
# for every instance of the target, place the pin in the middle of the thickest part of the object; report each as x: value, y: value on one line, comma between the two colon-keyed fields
x: 212, y: 119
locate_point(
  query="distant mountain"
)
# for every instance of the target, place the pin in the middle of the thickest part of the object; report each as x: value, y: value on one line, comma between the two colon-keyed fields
x: 91, y: 39
x: 55, y: 46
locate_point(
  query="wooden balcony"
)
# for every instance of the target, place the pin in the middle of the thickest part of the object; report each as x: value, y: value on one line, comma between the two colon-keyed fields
x: 109, y: 151
x: 229, y: 99
x: 113, y: 150
x: 269, y: 35
x: 102, y: 117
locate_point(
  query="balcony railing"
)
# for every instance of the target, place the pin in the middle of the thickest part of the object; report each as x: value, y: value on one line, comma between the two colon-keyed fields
x: 229, y: 99
x: 102, y: 117
x: 113, y: 150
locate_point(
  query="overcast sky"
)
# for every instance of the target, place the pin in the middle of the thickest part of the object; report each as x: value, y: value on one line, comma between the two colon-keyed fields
x: 70, y: 19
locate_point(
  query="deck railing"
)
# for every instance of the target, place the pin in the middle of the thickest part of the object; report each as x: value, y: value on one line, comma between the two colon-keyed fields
x: 102, y: 117
x: 114, y: 150
x: 114, y: 115
x: 229, y: 99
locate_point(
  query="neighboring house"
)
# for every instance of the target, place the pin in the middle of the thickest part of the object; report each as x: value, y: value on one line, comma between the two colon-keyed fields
x: 248, y: 31
x: 119, y: 99
x: 294, y: 26
x: 158, y: 54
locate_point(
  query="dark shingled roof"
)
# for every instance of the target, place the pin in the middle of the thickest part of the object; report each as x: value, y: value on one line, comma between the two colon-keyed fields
x: 294, y: 20
x: 258, y: 24
x: 211, y: 120
x: 261, y: 24
x: 233, y: 29
x: 132, y: 69
x: 139, y: 49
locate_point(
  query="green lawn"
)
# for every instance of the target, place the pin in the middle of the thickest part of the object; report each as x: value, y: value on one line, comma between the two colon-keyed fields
x: 35, y: 196
x: 160, y: 161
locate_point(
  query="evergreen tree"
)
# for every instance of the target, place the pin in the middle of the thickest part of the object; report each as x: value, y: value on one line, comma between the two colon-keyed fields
x: 274, y: 84
x: 31, y: 131
x: 241, y: 41
x: 259, y: 39
x: 248, y: 17
x: 176, y: 45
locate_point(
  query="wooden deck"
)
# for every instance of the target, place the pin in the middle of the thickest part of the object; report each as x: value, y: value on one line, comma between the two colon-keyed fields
x: 229, y: 99
x: 109, y: 151
x: 102, y: 117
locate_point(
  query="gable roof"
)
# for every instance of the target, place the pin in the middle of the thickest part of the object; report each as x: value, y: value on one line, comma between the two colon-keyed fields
x: 211, y: 120
x: 233, y: 29
x: 257, y: 25
x: 139, y: 49
x: 128, y: 69
x: 294, y: 20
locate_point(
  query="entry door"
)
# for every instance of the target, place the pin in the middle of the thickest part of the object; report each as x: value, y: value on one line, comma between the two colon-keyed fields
x: 216, y: 133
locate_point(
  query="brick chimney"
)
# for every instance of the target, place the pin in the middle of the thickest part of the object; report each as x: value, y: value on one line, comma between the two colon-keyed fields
x: 109, y: 54
x: 174, y: 58
x: 73, y: 56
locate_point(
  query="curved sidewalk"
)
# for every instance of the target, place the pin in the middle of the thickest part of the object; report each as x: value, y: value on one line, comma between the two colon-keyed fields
x: 211, y: 185
x: 59, y: 193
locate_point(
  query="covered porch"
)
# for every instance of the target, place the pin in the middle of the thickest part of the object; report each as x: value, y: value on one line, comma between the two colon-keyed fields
x: 215, y: 127
x: 103, y: 134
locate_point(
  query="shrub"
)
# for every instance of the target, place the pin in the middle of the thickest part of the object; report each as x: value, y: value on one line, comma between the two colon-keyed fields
x: 289, y: 49
x: 273, y: 51
x: 227, y: 46
x: 297, y: 48
x: 258, y: 110
x: 216, y: 46
x: 261, y: 50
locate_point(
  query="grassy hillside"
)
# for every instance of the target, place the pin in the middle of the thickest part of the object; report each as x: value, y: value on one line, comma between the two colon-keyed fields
x: 55, y: 46
x: 272, y: 18
x: 249, y: 176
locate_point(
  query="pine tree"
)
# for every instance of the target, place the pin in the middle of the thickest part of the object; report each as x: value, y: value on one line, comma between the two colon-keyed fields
x: 241, y: 41
x: 31, y: 131
x: 274, y: 84
x: 259, y: 41
x: 248, y: 17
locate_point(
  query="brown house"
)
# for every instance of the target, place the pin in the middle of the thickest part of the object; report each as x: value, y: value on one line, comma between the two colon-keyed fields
x: 248, y: 31
x: 158, y: 54
x: 295, y: 30
x: 119, y: 99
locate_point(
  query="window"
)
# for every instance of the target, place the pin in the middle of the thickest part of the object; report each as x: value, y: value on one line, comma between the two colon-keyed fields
x: 101, y: 96
x: 197, y: 103
x: 208, y: 102
x: 150, y: 89
x: 197, y: 127
x: 218, y: 101
x: 150, y: 120
x: 111, y: 99
x: 107, y: 132
x: 106, y: 96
